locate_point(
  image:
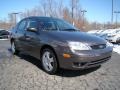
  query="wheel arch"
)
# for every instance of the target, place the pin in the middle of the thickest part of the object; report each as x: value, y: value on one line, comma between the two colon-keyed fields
x: 51, y: 48
x: 11, y: 40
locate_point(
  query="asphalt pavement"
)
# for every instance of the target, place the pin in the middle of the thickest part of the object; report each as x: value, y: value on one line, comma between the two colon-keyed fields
x: 23, y: 72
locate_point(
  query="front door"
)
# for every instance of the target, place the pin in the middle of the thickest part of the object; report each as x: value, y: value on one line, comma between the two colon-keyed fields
x: 32, y: 39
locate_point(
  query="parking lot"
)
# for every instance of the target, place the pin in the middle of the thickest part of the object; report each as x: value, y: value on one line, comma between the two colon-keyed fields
x: 24, y: 72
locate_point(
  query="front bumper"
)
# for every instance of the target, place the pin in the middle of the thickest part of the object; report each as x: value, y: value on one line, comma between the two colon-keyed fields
x: 85, y: 59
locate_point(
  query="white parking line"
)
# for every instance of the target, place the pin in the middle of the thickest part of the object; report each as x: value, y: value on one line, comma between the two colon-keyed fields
x: 3, y: 39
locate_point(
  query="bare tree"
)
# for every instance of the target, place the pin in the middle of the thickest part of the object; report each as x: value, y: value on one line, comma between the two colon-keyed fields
x: 74, y: 7
x: 5, y: 25
x: 66, y: 15
x: 60, y: 9
x: 43, y: 3
x: 48, y: 7
x: 12, y: 19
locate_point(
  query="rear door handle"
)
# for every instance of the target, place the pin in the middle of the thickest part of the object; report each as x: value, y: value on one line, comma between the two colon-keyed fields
x: 27, y: 38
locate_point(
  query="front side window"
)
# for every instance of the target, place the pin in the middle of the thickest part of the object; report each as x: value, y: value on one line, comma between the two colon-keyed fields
x: 32, y: 24
x: 47, y: 25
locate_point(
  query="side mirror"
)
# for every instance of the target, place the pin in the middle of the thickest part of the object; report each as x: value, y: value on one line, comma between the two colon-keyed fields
x: 32, y: 29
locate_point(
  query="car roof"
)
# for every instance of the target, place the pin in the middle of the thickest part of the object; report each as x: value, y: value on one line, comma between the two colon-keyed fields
x: 40, y: 17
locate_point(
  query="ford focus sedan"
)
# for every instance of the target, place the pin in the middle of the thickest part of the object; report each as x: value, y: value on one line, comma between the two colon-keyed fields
x: 58, y: 44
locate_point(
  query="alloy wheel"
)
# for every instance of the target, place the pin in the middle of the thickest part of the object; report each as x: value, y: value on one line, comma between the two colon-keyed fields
x: 47, y: 61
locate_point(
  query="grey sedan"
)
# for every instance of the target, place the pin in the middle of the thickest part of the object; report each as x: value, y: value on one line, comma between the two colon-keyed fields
x: 58, y: 44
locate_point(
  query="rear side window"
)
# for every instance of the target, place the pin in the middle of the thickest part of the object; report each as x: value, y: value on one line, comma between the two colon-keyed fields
x: 21, y: 26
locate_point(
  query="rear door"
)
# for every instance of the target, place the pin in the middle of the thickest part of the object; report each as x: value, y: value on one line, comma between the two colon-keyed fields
x: 19, y: 34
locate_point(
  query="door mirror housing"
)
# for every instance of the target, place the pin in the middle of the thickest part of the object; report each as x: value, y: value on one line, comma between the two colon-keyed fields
x: 32, y: 29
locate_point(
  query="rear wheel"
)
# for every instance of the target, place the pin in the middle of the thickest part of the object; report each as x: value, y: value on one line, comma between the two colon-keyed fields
x: 13, y: 48
x: 49, y: 61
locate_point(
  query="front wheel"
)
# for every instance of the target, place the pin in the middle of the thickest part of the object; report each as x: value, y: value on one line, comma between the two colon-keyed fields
x: 49, y: 61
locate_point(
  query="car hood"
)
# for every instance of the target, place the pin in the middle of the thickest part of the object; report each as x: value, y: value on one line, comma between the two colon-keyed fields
x: 77, y: 37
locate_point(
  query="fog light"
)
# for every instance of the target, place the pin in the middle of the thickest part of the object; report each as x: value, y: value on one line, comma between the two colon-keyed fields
x: 66, y: 55
x: 78, y: 64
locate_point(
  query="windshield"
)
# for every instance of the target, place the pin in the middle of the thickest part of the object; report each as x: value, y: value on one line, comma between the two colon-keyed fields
x: 64, y: 26
x: 118, y: 31
x: 3, y: 32
x: 55, y: 24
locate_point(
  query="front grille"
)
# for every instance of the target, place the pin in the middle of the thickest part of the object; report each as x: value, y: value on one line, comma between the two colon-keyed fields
x: 100, y: 46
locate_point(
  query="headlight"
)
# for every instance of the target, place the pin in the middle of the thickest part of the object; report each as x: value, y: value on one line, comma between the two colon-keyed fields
x: 109, y: 44
x: 78, y: 46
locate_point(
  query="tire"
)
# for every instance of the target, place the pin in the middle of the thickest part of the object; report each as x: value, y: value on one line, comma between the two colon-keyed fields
x: 13, y: 48
x: 49, y: 61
